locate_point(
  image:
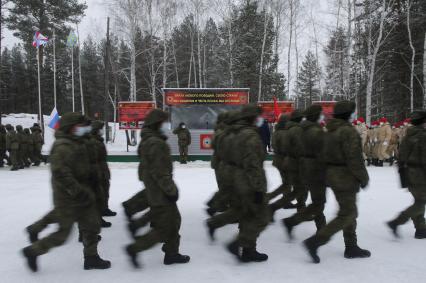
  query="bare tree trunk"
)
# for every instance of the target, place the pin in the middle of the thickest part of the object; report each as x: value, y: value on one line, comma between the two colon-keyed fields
x: 413, y: 56
x: 231, y: 59
x: 165, y: 59
x: 204, y: 65
x: 349, y: 51
x: 265, y: 26
x: 372, y: 59
x: 190, y: 70
x: 319, y: 75
x: 424, y: 72
x: 176, y: 67
x: 132, y: 71
x: 200, y: 67
x: 289, y: 46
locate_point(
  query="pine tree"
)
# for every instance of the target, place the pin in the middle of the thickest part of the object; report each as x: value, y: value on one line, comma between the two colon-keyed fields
x: 307, y: 82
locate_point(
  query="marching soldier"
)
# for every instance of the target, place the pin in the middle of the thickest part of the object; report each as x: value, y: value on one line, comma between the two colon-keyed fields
x: 2, y: 145
x: 412, y: 164
x: 346, y: 173
x: 73, y: 198
x: 38, y: 144
x: 156, y: 171
x: 313, y: 169
x: 30, y: 146
x: 384, y: 135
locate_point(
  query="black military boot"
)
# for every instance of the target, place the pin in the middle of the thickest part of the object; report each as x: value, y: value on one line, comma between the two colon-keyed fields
x: 105, y: 224
x: 251, y: 255
x: 394, y: 228
x: 375, y: 161
x: 109, y: 213
x: 36, y: 163
x: 311, y: 245
x: 420, y: 234
x: 33, y: 236
x: 31, y: 259
x: 95, y: 262
x: 356, y: 252
x: 14, y: 168
x: 380, y: 163
x: 133, y: 257
x: 288, y: 227
x: 368, y: 162
x: 175, y: 258
x: 391, y: 161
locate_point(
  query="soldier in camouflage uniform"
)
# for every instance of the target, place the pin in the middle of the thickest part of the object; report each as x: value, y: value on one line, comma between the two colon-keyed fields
x: 249, y: 182
x: 73, y: 198
x: 38, y: 144
x: 313, y: 168
x: 30, y: 146
x: 345, y: 174
x: 12, y: 146
x: 2, y: 145
x: 412, y: 163
x: 184, y: 141
x: 156, y: 171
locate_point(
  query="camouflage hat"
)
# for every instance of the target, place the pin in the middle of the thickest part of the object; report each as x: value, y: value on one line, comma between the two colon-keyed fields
x: 418, y: 115
x: 250, y: 111
x: 156, y: 116
x: 69, y: 120
x: 19, y: 128
x: 313, y: 110
x: 9, y: 127
x: 282, y: 121
x: 296, y: 115
x: 27, y: 131
x: 97, y: 125
x: 344, y: 107
x: 2, y: 129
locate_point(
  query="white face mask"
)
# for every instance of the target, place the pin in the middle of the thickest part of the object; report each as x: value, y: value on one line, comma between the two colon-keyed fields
x: 353, y: 117
x: 321, y: 119
x: 101, y: 132
x: 183, y: 127
x: 81, y: 131
x: 165, y: 127
x: 259, y: 121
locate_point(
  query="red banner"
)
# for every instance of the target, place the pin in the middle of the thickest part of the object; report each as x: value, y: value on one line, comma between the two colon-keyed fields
x: 270, y: 109
x: 327, y: 108
x: 206, y: 96
x: 206, y: 141
x: 132, y: 114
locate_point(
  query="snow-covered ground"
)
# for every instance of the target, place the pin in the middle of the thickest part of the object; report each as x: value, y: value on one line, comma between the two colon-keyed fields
x: 25, y: 196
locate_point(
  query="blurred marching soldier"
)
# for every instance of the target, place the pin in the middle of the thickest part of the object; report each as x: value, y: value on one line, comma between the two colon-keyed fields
x: 3, y: 156
x: 346, y: 173
x: 138, y: 203
x: 290, y: 146
x: 184, y: 141
x: 104, y: 172
x: 278, y: 162
x: 383, y: 140
x: 376, y: 143
x: 369, y: 146
x: 156, y: 172
x: 30, y: 145
x: 412, y: 168
x: 313, y: 169
x: 12, y: 145
x: 38, y: 144
x: 225, y: 170
x: 220, y: 200
x: 248, y: 155
x: 73, y: 198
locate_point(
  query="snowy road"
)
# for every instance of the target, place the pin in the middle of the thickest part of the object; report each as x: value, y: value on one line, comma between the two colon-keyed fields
x: 25, y: 197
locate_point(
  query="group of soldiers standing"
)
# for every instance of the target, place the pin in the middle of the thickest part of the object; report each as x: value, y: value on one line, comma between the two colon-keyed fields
x: 21, y: 148
x: 381, y: 141
x: 309, y: 157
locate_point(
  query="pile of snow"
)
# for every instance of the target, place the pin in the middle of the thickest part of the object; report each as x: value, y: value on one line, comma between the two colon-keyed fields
x: 392, y: 260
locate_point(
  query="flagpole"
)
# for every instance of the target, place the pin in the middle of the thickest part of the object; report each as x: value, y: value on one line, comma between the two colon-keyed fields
x: 39, y: 88
x: 54, y: 67
x: 72, y: 78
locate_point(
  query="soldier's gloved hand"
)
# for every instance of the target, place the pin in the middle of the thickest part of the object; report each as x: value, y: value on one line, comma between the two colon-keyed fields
x: 173, y: 198
x: 364, y: 185
x: 259, y: 197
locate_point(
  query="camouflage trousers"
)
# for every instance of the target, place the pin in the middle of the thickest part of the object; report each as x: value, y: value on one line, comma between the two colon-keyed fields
x: 220, y: 200
x: 254, y: 219
x: 183, y: 151
x: 137, y: 203
x: 166, y: 221
x: 314, y: 211
x: 3, y: 156
x: 14, y: 158
x: 88, y: 221
x: 415, y: 212
x: 345, y: 219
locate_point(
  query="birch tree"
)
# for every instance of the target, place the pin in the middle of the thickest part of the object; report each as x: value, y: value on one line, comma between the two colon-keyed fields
x: 413, y: 55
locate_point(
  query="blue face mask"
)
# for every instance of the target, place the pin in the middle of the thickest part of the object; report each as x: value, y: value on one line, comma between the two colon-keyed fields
x: 353, y: 117
x: 81, y: 131
x: 165, y: 127
x: 321, y: 119
x: 259, y: 121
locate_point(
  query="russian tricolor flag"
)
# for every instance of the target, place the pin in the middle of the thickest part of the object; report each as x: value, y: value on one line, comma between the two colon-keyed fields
x: 54, y: 119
